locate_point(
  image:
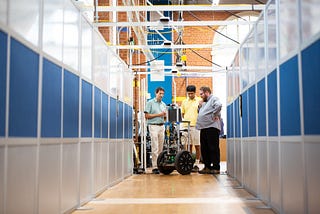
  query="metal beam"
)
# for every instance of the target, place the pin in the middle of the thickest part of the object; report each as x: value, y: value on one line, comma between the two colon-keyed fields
x: 184, y: 69
x: 209, y: 7
x: 173, y: 23
x: 192, y: 46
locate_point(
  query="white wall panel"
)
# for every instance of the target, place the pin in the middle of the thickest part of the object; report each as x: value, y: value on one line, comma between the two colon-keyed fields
x: 119, y: 160
x: 69, y: 176
x: 275, y: 193
x: 246, y: 169
x: 238, y: 157
x: 49, y: 179
x: 310, y: 18
x: 86, y: 49
x: 253, y: 166
x: 104, y: 164
x: 288, y: 27
x: 21, y: 179
x: 230, y: 157
x: 85, y: 170
x: 3, y: 11
x: 53, y: 22
x: 71, y: 35
x: 292, y: 177
x: 2, y: 185
x: 24, y: 19
x: 263, y: 190
x: 97, y: 159
x: 112, y: 162
x: 312, y: 151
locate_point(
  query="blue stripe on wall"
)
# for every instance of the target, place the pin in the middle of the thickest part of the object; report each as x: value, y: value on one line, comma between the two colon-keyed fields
x: 130, y: 122
x: 311, y: 92
x: 289, y: 98
x: 120, y: 120
x: 245, y: 128
x: 237, y: 118
x: 272, y: 104
x: 51, y: 100
x: 97, y: 112
x: 231, y: 125
x: 23, y: 99
x: 3, y: 78
x: 261, y: 108
x: 86, y: 109
x: 126, y: 121
x: 70, y: 105
x: 252, y: 111
x: 105, y: 108
x: 113, y: 118
x: 229, y: 121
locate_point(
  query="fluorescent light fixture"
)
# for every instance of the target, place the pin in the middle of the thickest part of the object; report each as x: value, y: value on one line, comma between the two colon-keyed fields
x: 215, y: 2
x: 167, y: 43
x: 164, y: 19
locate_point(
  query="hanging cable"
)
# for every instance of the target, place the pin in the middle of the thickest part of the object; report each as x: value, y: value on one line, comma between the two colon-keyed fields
x: 213, y: 28
x: 205, y: 58
x: 152, y: 59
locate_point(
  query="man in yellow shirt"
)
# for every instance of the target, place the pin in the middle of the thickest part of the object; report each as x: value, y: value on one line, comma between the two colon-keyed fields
x: 189, y: 110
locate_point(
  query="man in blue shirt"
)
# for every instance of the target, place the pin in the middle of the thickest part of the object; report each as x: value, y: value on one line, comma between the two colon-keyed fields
x: 208, y: 122
x: 155, y: 113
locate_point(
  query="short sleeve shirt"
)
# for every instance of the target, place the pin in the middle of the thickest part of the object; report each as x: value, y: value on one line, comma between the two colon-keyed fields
x: 189, y: 108
x: 155, y: 107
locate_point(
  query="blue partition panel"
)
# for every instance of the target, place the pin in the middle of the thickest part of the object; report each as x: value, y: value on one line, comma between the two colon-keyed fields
x: 120, y: 120
x: 70, y: 105
x: 311, y: 92
x: 237, y: 118
x: 113, y: 118
x: 261, y: 96
x: 23, y: 99
x: 51, y: 100
x: 289, y: 98
x: 252, y: 111
x: 130, y: 123
x: 105, y: 111
x: 272, y: 104
x: 126, y: 122
x: 3, y: 77
x: 97, y: 112
x: 244, y: 107
x: 86, y: 109
x: 229, y: 119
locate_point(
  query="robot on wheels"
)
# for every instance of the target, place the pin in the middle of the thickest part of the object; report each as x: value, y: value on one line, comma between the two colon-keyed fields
x: 174, y: 157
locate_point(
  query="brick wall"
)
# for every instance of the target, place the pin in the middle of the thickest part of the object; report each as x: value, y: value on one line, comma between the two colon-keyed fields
x: 197, y: 35
x: 191, y: 35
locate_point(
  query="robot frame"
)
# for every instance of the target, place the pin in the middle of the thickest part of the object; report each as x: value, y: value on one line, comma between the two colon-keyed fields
x: 174, y: 157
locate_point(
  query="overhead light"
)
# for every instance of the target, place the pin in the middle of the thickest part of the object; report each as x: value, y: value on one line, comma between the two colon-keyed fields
x: 167, y: 43
x: 215, y: 2
x: 164, y: 20
x: 179, y: 64
x: 174, y: 71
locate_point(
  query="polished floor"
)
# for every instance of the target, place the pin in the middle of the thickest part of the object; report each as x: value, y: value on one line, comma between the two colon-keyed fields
x: 175, y: 193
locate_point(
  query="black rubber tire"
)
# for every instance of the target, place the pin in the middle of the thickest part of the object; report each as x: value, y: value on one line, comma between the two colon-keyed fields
x: 184, y: 162
x: 161, y: 166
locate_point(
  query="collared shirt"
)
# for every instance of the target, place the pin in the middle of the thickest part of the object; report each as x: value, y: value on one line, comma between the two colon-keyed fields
x: 155, y: 107
x: 189, y: 108
x: 209, y: 114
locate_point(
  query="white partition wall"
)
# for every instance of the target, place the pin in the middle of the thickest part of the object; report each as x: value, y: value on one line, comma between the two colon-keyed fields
x: 273, y: 108
x: 65, y: 125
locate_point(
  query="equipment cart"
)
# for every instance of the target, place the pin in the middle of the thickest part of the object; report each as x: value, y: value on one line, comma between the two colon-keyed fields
x: 174, y: 157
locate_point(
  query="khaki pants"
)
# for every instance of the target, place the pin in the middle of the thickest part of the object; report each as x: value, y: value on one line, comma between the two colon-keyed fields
x: 157, y: 137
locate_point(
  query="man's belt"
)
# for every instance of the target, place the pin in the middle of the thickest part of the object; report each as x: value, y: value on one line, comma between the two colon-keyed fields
x: 157, y: 124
